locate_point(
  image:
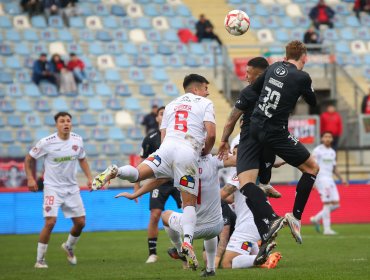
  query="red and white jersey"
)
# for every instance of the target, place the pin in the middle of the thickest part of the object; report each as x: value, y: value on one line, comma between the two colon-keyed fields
x: 208, y: 207
x: 60, y: 159
x: 184, y: 119
x: 326, y: 159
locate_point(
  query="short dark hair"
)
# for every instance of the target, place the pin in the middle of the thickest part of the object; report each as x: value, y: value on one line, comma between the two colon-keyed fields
x: 327, y: 132
x: 160, y: 108
x: 258, y: 62
x: 61, y: 114
x: 43, y: 54
x: 72, y: 54
x: 193, y: 78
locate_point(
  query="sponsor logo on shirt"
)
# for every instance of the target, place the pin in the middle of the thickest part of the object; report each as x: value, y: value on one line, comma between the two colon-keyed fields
x: 155, y: 159
x: 246, y: 246
x: 75, y: 148
x: 64, y: 159
x: 182, y: 107
x: 187, y: 181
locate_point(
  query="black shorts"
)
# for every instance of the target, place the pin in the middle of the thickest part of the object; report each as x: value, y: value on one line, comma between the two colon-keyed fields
x: 159, y: 196
x: 228, y: 215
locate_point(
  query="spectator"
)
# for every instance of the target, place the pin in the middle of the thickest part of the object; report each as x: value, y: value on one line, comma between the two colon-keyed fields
x: 365, y: 105
x: 69, y: 10
x: 205, y: 30
x: 77, y: 66
x: 41, y: 71
x: 311, y: 37
x: 361, y: 6
x: 64, y: 77
x: 331, y: 121
x: 150, y: 121
x: 32, y: 7
x: 52, y: 7
x: 322, y: 14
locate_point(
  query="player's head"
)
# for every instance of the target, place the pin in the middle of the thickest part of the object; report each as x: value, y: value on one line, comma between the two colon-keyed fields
x: 154, y: 108
x: 63, y: 122
x: 296, y: 51
x: 331, y: 108
x: 159, y: 116
x: 196, y: 84
x: 255, y: 67
x: 327, y: 138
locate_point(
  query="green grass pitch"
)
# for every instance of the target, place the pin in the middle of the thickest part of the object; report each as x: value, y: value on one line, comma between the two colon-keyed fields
x: 121, y: 255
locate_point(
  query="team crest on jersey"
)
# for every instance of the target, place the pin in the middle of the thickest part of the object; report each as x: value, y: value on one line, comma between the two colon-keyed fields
x: 187, y: 181
x: 246, y: 246
x: 47, y: 208
x: 155, y: 159
x: 75, y: 148
x: 281, y: 71
x: 35, y: 150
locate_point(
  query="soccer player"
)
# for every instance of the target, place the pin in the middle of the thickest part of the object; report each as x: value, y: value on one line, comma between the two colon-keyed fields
x: 188, y: 130
x: 61, y: 151
x: 160, y: 195
x: 281, y: 85
x: 325, y: 157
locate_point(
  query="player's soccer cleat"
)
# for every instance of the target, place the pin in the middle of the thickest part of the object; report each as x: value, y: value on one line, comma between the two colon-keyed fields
x: 41, y: 264
x: 70, y: 254
x: 295, y: 227
x: 172, y: 252
x: 330, y: 232
x: 189, y: 253
x: 264, y: 252
x: 206, y: 273
x: 101, y: 179
x: 272, y: 261
x: 315, y: 223
x: 152, y: 259
x: 275, y: 226
x: 270, y: 191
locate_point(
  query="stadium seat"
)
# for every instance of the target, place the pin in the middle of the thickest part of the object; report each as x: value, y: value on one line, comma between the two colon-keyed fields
x: 156, y: 101
x: 114, y: 104
x: 166, y: 10
x: 302, y: 22
x: 91, y: 150
x: 6, y: 77
x: 261, y: 10
x: 99, y: 134
x: 13, y: 63
x: 76, y: 22
x: 134, y: 10
x: 2, y: 94
x: 42, y: 133
x: 65, y: 35
x: 128, y: 23
x: 13, y: 35
x: 142, y: 61
x: 13, y: 91
x: 174, y: 23
x: 93, y: 75
x: 93, y: 23
x: 85, y: 89
x: 55, y: 21
x: 110, y: 149
x: 157, y: 61
x: 105, y: 119
x: 358, y: 47
x: 282, y: 35
x: 15, y: 150
x: 165, y: 49
x: 99, y: 165
x: 181, y: 49
x: 160, y: 23
x: 297, y: 34
x: 74, y: 48
x: 101, y: 10
x: 104, y: 36
x: 353, y: 60
x: 48, y: 89
x: 57, y: 47
x: 347, y: 34
x: 192, y: 61
x: 12, y: 8
x: 330, y: 35
x: 175, y: 61
x: 154, y: 36
x: 78, y: 105
x: 170, y: 89
x: 5, y: 50
x: 131, y: 104
x: 144, y: 23
x: 112, y: 75
x: 120, y: 36
x: 32, y: 120
x: 127, y: 149
x: 32, y: 90
x: 30, y: 35
x: 38, y: 22
x: 82, y: 132
x: 96, y: 48
x: 151, y: 10
x: 135, y: 133
x: 123, y: 90
x: 47, y: 35
x: 60, y: 105
x: 103, y: 90
x: 123, y: 61
x: 95, y: 104
x: 14, y: 121
x: 124, y: 119
x: 49, y: 120
x: 147, y: 48
x: 24, y: 136
x: 146, y: 90
x: 42, y: 105
x: 271, y: 23
x: 362, y: 33
x: 208, y: 60
x: 160, y: 75
x: 22, y: 105
x: 88, y: 119
x: 6, y: 137
x: 38, y: 48
x: 105, y: 62
x: 265, y: 36
x: 86, y: 9
x: 110, y: 23
x: 136, y: 75
x: 171, y: 36
x: 5, y: 22
x: 197, y: 49
x: 182, y: 10
x: 137, y: 36
x: 116, y: 134
x: 342, y: 47
x: 118, y: 10
x: 22, y: 49
x: 352, y: 21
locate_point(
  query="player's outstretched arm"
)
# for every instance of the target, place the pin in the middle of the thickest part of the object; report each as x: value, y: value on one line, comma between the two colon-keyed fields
x: 148, y: 187
x: 211, y: 137
x: 86, y: 169
x: 29, y: 166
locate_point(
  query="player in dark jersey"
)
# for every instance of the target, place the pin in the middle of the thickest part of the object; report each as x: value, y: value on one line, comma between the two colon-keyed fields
x: 159, y: 196
x: 280, y: 86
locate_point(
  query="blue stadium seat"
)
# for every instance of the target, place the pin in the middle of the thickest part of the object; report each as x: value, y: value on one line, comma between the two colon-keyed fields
x: 116, y: 134
x: 99, y: 134
x: 104, y: 36
x: 353, y: 21
x: 110, y: 149
x: 65, y: 35
x: 88, y: 119
x: 49, y: 120
x: 120, y: 36
x: 110, y: 23
x: 166, y: 10
x: 302, y: 22
x: 146, y: 90
x: 171, y: 36
x: 175, y: 61
x: 103, y: 90
x: 42, y: 105
x: 192, y: 61
x: 32, y: 120
x: 85, y: 90
x: 55, y: 21
x: 341, y: 9
x: 154, y: 35
x: 6, y: 137
x: 297, y: 34
x: 95, y: 104
x: 128, y: 23
x: 2, y: 122
x: 159, y: 1
x: 197, y: 49
x: 176, y: 22
x: 85, y: 9
x: 362, y: 33
x: 136, y: 74
x: 135, y: 133
x: 13, y: 91
x: 123, y: 61
x: 113, y: 48
x: 32, y: 90
x: 144, y: 23
x: 170, y: 89
x: 112, y: 75
x: 105, y: 119
x: 146, y: 48
x: 78, y: 105
x: 99, y: 165
x: 30, y: 35
x: 130, y: 48
x: 91, y: 150
x: 181, y: 49
x: 114, y: 104
x: 38, y: 22
x: 182, y: 10
x: 48, y: 89
x: 118, y: 10
x: 87, y: 35
x: 42, y: 133
x: 132, y: 104
x: 342, y: 47
x: 271, y: 23
x: 82, y: 132
x: 13, y: 62
x: 38, y: 48
x: 367, y: 59
x: 59, y: 105
x: 160, y: 75
x: 123, y: 90
x: 74, y: 48
x: 354, y: 60
x: 22, y: 49
x: 5, y: 50
x: 6, y: 77
x: 282, y: 35
x: 15, y: 150
x: 156, y: 101
x: 261, y: 10
x: 76, y: 22
x: 157, y: 61
x: 22, y: 105
x: 14, y: 121
x: 93, y: 75
x: 12, y: 8
x: 24, y: 136
x: 330, y: 35
x: 142, y: 61
x: 165, y: 49
x: 96, y: 48
x: 287, y: 23
x: 277, y: 10
x: 208, y: 60
x: 150, y: 10
x: 127, y: 149
x: 5, y: 22
x: 13, y: 35
x: 101, y: 10
x: 2, y: 93
x: 347, y: 34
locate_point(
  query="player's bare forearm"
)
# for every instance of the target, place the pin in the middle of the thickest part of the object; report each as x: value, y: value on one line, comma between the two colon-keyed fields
x: 230, y: 124
x: 338, y: 175
x: 211, y: 137
x: 85, y: 168
x: 151, y: 185
x: 29, y: 166
x: 226, y: 191
x: 224, y: 239
x: 163, y: 134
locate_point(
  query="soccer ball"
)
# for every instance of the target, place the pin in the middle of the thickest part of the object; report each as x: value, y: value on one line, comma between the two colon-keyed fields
x: 237, y: 22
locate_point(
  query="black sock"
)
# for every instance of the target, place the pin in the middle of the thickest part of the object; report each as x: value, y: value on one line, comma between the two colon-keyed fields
x: 152, y: 245
x: 260, y: 206
x: 303, y: 191
x: 261, y: 225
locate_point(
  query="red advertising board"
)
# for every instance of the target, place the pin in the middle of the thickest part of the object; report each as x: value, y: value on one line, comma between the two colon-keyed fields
x: 303, y: 129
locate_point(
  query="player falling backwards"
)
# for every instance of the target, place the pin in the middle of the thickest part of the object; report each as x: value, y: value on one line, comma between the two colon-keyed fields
x: 281, y: 85
x: 188, y: 129
x: 325, y: 157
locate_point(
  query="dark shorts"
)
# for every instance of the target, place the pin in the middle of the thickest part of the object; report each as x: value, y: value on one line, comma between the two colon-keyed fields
x: 159, y: 196
x: 228, y: 215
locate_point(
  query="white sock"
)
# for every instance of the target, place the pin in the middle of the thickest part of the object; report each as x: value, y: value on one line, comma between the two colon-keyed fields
x: 41, y: 251
x: 243, y: 261
x: 189, y: 219
x: 71, y: 241
x: 211, y: 249
x: 334, y: 207
x: 326, y: 217
x: 174, y: 237
x: 128, y: 172
x: 318, y: 216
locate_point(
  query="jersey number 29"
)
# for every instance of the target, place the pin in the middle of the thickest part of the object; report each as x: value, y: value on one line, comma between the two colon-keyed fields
x: 181, y: 121
x: 270, y: 101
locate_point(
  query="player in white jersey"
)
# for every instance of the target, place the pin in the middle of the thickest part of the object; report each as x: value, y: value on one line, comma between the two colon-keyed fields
x: 326, y: 158
x: 61, y: 152
x: 188, y: 130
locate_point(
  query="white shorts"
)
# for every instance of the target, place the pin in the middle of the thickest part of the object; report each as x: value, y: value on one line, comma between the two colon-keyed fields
x: 179, y: 161
x: 207, y: 233
x: 327, y: 189
x: 71, y: 203
x: 243, y: 247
